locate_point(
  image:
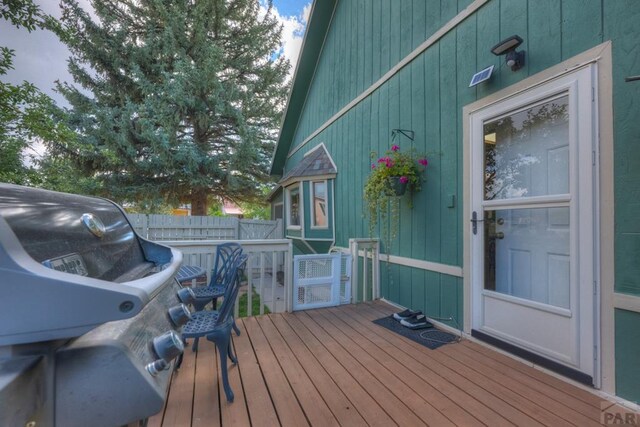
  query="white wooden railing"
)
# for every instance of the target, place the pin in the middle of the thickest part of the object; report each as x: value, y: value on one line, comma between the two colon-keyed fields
x: 368, y: 249
x: 269, y: 260
x: 365, y: 268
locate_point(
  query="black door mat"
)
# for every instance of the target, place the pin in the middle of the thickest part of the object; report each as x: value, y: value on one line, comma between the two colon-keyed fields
x: 431, y: 338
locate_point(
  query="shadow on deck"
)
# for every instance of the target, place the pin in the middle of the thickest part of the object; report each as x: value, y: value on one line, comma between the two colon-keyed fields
x: 335, y: 367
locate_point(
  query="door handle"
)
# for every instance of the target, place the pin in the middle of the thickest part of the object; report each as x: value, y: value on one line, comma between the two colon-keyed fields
x: 475, y: 221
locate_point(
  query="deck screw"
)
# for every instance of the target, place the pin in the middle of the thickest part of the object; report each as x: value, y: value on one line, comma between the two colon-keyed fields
x: 30, y: 424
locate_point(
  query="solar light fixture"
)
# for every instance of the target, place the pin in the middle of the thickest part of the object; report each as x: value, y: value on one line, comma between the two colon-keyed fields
x: 507, y: 47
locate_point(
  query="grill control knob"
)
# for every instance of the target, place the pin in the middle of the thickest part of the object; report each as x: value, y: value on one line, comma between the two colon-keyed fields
x: 186, y: 296
x: 168, y: 346
x: 179, y: 315
x: 155, y: 367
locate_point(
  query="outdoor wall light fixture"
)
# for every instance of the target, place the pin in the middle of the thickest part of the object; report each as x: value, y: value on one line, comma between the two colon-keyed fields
x: 507, y: 47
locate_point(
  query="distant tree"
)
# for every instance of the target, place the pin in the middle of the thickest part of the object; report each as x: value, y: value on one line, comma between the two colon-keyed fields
x: 260, y: 208
x: 27, y: 116
x: 255, y: 210
x: 215, y: 207
x: 177, y: 100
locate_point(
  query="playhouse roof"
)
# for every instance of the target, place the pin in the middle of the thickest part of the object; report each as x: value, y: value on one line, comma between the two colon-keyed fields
x: 317, y: 162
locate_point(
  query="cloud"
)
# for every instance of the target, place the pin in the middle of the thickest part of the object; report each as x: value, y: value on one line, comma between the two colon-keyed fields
x: 292, y: 33
x: 40, y: 57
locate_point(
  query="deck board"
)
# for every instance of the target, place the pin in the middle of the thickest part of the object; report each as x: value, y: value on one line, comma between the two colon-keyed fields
x: 335, y: 367
x: 284, y: 399
x: 206, y: 409
x: 178, y: 412
x: 405, y: 357
x: 387, y: 358
x: 341, y: 406
x: 259, y: 404
x: 547, y: 380
x: 234, y: 413
x: 412, y: 398
x: 314, y: 407
x: 572, y: 410
x: 519, y: 393
x: 367, y: 406
x: 374, y: 384
x: 450, y: 372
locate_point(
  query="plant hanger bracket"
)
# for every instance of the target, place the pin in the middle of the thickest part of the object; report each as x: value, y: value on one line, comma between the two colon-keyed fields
x: 408, y: 133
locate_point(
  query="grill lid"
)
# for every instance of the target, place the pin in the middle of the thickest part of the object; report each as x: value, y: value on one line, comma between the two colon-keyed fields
x: 69, y: 263
x: 81, y: 235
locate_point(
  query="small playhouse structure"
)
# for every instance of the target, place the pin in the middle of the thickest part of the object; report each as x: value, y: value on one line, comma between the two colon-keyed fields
x: 525, y: 232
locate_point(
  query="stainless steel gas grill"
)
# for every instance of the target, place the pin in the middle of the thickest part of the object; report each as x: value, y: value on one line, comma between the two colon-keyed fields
x: 88, y: 313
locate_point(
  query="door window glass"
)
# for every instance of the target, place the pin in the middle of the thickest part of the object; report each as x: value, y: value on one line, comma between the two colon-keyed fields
x: 526, y: 153
x: 527, y: 254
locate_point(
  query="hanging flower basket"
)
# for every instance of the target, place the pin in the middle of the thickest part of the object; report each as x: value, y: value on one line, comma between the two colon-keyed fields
x: 398, y: 184
x: 391, y: 176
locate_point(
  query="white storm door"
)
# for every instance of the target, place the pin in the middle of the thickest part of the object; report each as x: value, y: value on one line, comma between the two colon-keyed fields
x: 532, y: 194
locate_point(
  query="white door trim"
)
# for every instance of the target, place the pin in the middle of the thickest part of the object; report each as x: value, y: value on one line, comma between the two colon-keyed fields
x: 576, y: 347
x: 604, y: 376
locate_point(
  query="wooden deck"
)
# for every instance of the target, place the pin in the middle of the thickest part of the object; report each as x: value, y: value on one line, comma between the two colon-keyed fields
x: 335, y: 367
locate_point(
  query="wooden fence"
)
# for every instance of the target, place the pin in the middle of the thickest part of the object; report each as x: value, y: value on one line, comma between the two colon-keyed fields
x: 171, y: 227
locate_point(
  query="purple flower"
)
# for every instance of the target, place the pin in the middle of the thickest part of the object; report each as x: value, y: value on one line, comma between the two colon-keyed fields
x: 389, y: 163
x: 382, y: 160
x: 423, y: 162
x: 373, y: 165
x: 404, y: 179
x: 394, y: 148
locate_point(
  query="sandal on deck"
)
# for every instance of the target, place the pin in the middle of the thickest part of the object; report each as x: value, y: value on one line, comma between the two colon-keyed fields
x: 416, y: 322
x: 407, y: 314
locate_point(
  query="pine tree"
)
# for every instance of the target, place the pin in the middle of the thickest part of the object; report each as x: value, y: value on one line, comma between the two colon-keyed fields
x: 178, y: 100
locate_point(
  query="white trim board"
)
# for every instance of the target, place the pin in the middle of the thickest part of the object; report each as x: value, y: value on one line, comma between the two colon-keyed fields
x: 468, y: 11
x: 626, y: 302
x: 300, y: 179
x: 449, y: 270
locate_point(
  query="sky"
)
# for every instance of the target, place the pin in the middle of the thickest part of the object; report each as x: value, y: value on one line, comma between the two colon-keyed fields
x: 41, y: 59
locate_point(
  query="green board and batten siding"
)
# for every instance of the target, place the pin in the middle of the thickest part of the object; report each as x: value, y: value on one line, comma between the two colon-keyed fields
x: 367, y: 38
x: 620, y: 24
x: 627, y: 354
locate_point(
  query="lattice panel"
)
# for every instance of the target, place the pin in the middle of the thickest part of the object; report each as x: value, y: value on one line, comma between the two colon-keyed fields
x: 315, y: 294
x: 316, y: 281
x: 315, y: 268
